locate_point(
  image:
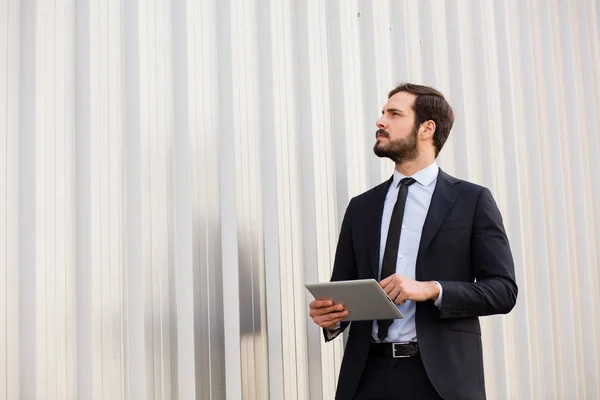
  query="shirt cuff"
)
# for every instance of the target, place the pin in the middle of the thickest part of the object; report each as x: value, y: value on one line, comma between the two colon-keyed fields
x: 332, y: 334
x: 438, y: 301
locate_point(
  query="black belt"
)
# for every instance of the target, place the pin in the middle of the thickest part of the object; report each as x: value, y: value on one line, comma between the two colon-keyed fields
x: 395, y: 350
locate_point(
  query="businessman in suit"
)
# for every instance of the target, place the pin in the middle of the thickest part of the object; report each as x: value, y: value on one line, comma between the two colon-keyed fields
x: 438, y: 247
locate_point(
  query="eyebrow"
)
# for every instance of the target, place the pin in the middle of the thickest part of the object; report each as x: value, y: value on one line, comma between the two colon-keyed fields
x: 392, y: 110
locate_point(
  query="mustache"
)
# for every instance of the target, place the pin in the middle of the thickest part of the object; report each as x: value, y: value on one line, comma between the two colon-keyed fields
x: 383, y: 133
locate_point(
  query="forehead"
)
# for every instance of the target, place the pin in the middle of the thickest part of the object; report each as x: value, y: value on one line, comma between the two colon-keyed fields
x: 401, y: 101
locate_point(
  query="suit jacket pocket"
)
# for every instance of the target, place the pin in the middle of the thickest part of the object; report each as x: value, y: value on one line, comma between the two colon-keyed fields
x: 470, y: 325
x: 454, y: 224
x: 453, y: 234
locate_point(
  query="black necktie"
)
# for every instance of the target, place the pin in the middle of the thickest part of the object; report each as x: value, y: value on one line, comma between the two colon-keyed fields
x: 390, y: 256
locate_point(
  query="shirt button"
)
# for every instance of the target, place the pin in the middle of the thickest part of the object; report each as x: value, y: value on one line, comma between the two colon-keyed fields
x: 400, y: 256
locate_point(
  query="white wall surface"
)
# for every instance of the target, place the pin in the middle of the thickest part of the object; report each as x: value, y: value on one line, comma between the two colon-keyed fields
x: 173, y: 172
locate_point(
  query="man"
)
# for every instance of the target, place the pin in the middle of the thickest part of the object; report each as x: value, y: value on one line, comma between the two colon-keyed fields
x: 438, y: 246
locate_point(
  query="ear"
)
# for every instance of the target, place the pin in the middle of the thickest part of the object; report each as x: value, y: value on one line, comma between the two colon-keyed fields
x: 427, y: 129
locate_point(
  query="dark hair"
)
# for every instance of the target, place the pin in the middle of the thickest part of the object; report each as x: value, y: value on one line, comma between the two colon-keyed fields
x: 430, y: 104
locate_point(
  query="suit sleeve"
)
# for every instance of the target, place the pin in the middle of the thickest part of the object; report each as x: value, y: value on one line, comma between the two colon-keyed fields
x: 494, y: 290
x: 344, y: 265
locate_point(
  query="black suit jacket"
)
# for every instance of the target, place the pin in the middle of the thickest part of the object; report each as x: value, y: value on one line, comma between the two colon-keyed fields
x: 464, y: 247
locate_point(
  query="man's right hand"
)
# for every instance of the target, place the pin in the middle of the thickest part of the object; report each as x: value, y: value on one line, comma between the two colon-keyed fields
x: 326, y: 314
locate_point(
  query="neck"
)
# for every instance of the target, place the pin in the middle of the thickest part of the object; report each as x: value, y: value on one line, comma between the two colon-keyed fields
x: 409, y: 168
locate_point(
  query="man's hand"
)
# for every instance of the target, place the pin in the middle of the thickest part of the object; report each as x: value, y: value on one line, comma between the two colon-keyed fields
x: 326, y: 314
x: 400, y: 288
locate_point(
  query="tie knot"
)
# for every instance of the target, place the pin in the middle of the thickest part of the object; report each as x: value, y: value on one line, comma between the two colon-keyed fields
x: 407, y: 181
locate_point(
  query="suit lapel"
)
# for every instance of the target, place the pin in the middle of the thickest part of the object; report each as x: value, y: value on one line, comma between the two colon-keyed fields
x: 444, y: 196
x: 374, y: 224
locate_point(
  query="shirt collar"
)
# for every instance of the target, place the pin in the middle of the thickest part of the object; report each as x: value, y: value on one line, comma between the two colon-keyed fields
x: 424, y: 176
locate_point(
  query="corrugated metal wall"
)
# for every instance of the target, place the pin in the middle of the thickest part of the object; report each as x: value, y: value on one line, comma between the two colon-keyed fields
x: 173, y: 172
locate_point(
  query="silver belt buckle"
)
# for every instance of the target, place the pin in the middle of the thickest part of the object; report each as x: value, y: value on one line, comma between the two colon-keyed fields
x: 394, y: 350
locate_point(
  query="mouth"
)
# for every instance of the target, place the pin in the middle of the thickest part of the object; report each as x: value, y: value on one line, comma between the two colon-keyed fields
x: 382, y: 134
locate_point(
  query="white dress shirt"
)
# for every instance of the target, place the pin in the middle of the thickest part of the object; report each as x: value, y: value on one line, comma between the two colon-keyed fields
x: 415, y: 212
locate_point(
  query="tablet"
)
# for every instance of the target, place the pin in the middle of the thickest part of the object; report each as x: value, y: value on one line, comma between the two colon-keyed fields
x: 364, y: 299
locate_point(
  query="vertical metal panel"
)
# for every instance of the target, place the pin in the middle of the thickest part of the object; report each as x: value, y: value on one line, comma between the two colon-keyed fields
x: 270, y: 204
x: 10, y: 76
x: 82, y: 188
x: 4, y: 196
x: 136, y: 360
x: 173, y: 172
x: 286, y: 163
x: 183, y: 224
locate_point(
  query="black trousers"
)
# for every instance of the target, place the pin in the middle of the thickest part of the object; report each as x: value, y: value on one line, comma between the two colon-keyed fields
x: 395, y: 378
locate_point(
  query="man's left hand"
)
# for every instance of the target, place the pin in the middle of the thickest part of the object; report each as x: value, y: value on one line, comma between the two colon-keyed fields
x: 400, y: 288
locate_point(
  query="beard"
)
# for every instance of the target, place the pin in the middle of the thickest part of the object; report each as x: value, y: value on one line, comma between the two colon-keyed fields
x: 399, y: 150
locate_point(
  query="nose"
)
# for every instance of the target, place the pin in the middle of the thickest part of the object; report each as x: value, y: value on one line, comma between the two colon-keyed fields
x: 380, y: 123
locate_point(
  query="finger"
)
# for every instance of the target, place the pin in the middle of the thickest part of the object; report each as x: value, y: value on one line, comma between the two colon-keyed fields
x: 320, y: 303
x: 327, y: 319
x: 393, y: 280
x: 389, y: 288
x: 329, y: 324
x: 401, y: 298
x: 316, y: 312
x: 394, y: 293
x: 386, y: 281
x: 336, y: 321
x: 337, y: 315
